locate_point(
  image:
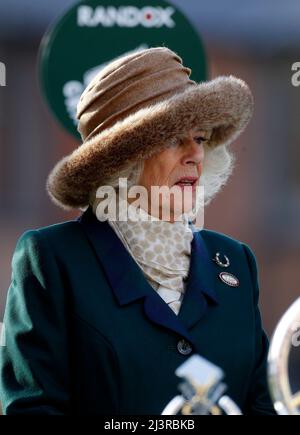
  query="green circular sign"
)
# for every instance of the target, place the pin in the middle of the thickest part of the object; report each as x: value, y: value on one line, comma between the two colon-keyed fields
x: 94, y: 32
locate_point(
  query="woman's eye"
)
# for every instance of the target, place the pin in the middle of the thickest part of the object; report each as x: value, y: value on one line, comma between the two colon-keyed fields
x: 174, y: 143
x: 200, y: 139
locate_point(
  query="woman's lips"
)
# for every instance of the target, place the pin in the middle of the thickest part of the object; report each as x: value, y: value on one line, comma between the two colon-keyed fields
x: 187, y: 182
x: 183, y: 186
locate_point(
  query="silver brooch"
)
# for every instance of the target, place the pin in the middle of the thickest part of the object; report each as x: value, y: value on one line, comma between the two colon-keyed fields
x: 229, y: 279
x: 219, y: 262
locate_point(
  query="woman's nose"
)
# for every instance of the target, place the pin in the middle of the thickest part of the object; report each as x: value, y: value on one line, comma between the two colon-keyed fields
x: 193, y: 152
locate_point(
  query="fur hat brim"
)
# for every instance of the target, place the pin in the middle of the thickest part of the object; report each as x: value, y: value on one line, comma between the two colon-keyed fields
x: 224, y: 104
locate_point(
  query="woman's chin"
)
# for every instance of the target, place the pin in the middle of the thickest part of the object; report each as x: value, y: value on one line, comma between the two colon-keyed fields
x: 176, y: 213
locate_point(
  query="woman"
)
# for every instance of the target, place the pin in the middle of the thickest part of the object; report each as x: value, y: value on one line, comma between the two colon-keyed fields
x: 102, y: 310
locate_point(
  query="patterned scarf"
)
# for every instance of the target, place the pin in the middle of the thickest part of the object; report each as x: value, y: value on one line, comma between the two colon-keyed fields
x: 162, y: 250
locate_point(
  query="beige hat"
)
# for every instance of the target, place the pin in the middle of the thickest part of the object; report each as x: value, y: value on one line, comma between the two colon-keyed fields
x: 133, y: 108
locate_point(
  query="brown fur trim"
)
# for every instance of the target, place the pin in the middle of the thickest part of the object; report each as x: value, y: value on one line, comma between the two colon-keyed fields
x: 224, y: 104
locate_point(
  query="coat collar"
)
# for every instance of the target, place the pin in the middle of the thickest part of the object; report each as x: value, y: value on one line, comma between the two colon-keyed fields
x: 129, y: 284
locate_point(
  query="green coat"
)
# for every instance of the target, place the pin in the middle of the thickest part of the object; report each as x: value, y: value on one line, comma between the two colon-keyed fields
x: 87, y: 334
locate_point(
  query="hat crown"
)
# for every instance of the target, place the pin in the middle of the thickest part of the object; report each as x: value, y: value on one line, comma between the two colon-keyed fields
x: 128, y: 84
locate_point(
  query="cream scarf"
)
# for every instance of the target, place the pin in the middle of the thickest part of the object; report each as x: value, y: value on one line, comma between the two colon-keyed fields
x: 162, y: 250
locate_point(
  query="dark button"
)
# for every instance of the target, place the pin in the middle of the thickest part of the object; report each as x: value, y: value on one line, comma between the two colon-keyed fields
x: 184, y: 347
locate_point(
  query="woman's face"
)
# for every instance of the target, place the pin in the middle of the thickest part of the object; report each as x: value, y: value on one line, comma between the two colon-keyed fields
x: 178, y: 166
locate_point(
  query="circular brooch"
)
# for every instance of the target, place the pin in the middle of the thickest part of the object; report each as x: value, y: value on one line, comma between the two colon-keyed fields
x: 229, y: 279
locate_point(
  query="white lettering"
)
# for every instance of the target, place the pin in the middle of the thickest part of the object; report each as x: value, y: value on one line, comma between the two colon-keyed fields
x: 164, y: 202
x: 166, y: 16
x: 100, y: 16
x: 296, y: 335
x: 296, y: 76
x: 84, y: 16
x: 72, y: 91
x: 72, y: 88
x: 2, y: 335
x: 2, y: 74
x: 125, y: 16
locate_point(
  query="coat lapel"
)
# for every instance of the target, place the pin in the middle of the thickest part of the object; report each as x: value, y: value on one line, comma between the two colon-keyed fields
x: 200, y: 288
x: 129, y: 284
